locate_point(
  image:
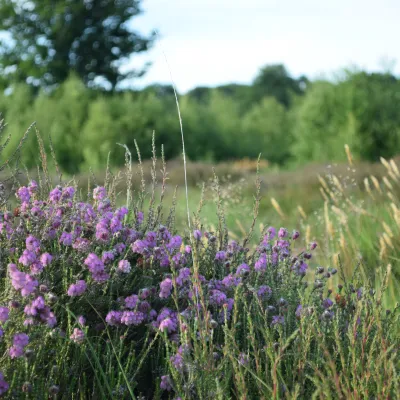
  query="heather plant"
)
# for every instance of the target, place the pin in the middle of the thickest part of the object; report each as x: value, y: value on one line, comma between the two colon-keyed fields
x: 102, y: 300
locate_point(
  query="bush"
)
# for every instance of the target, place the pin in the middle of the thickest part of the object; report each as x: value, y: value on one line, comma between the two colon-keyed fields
x: 100, y: 301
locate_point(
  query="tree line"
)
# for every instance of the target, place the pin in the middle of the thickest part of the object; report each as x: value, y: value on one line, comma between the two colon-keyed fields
x: 289, y: 121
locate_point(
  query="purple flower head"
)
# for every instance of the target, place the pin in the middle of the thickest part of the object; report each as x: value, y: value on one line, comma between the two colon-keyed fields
x: 32, y: 187
x: 261, y: 263
x: 295, y: 235
x: 165, y: 288
x: 242, y: 269
x: 36, y: 267
x: 313, y: 245
x: 32, y: 243
x: 107, y: 257
x: 119, y: 248
x: 184, y: 275
x: 114, y: 318
x: 132, y: 317
x: 299, y: 311
x: 243, y: 359
x: 230, y: 281
x: 278, y: 320
x: 197, y: 234
x: 99, y: 193
x: 23, y: 194
x: 139, y: 217
x: 166, y: 383
x: 81, y: 320
x: 177, y: 361
x: 282, y: 233
x: 4, y: 314
x: 174, y: 243
x: 124, y: 266
x: 167, y: 324
x: 131, y: 301
x: 140, y: 246
x: 3, y: 384
x: 327, y: 303
x: 21, y: 340
x: 30, y: 285
x: 271, y: 232
x: 55, y: 195
x: 81, y: 244
x: 264, y: 291
x: 27, y: 258
x: 38, y: 303
x: 66, y: 239
x: 78, y: 336
x: 220, y: 256
x: 16, y: 351
x: 217, y: 298
x: 46, y: 259
x: 77, y: 289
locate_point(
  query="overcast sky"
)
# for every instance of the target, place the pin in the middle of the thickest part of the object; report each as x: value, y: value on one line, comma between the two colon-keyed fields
x: 211, y: 42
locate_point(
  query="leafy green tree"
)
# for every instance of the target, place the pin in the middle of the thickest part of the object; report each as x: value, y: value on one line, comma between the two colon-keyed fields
x: 375, y: 104
x: 275, y: 81
x: 323, y: 123
x: 266, y: 130
x: 48, y: 39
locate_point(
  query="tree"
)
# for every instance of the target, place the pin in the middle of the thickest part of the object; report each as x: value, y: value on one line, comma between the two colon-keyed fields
x: 275, y: 81
x: 47, y: 39
x: 266, y: 130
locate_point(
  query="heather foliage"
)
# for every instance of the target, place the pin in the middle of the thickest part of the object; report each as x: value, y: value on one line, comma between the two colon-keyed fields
x: 106, y: 301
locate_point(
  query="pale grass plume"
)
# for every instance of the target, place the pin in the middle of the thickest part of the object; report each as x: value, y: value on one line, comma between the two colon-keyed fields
x: 348, y: 154
x: 277, y: 208
x: 368, y: 188
x: 376, y: 183
x: 302, y: 212
x: 395, y: 168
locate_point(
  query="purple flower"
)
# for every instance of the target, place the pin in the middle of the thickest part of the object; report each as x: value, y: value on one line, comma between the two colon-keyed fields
x: 77, y: 289
x: 132, y: 317
x: 131, y: 301
x: 46, y: 259
x: 81, y: 320
x: 114, y: 318
x: 166, y: 383
x: 23, y: 194
x: 16, y: 351
x: 27, y: 258
x: 55, y: 195
x: 271, y: 232
x: 3, y: 384
x: 139, y: 217
x: 278, y: 320
x: 21, y: 340
x: 217, y: 298
x: 242, y: 269
x: 124, y: 266
x: 177, y: 361
x: 197, y: 234
x: 220, y: 256
x: 243, y: 359
x: 4, y: 314
x: 66, y: 239
x: 295, y: 235
x: 78, y: 336
x: 264, y: 291
x: 32, y: 243
x: 99, y: 193
x: 166, y: 287
x: 107, y: 257
x: 327, y: 303
x: 282, y: 233
x: 299, y: 311
x: 230, y: 281
x: 313, y: 245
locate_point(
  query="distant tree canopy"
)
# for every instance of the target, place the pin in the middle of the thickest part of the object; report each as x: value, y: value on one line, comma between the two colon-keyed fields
x: 47, y: 40
x: 290, y: 123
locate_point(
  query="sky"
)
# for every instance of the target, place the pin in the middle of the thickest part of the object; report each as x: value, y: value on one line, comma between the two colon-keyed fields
x: 213, y: 42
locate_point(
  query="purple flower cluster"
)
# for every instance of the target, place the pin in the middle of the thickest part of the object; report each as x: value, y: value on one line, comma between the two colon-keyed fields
x: 20, y: 341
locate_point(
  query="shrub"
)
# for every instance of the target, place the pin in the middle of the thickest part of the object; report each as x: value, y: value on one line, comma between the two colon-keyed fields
x: 100, y: 301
